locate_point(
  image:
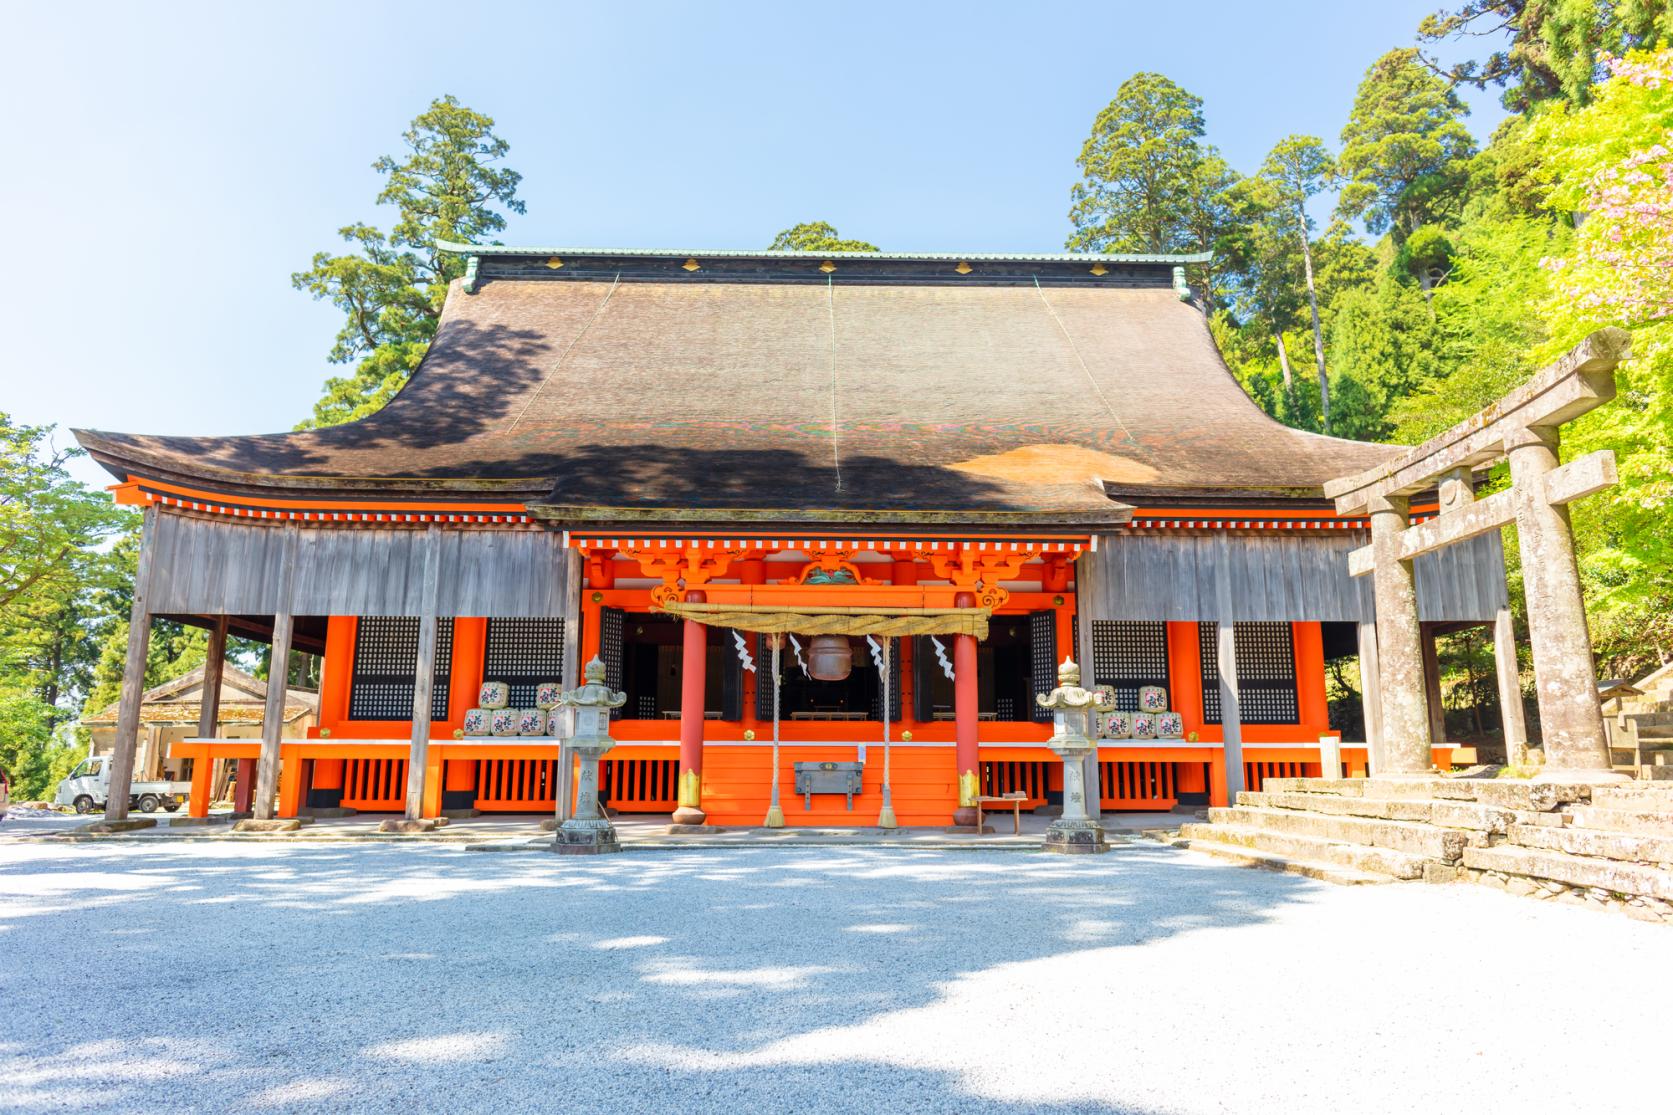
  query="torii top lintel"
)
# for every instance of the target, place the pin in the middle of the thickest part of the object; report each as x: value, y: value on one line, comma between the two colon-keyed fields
x: 1579, y: 381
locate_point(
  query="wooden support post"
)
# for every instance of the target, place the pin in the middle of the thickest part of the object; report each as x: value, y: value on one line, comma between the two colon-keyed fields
x: 694, y: 665
x: 1405, y: 719
x: 1570, y: 717
x: 203, y: 780
x: 273, y: 719
x: 1432, y: 685
x: 1231, y: 713
x: 423, y: 679
x: 1371, y: 695
x: 133, y: 677
x: 214, y: 668
x: 209, y: 712
x: 575, y: 570
x: 1512, y: 715
x: 966, y: 733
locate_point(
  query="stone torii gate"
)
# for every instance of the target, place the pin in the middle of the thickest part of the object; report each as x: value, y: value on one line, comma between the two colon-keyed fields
x: 1524, y: 427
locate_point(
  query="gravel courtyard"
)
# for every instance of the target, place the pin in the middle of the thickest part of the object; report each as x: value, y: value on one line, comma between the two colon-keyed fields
x: 217, y: 976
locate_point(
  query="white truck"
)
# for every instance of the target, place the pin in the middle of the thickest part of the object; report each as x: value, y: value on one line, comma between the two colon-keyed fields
x: 88, y: 785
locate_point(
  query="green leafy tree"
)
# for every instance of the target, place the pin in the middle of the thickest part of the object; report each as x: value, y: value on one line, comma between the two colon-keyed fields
x: 390, y: 288
x: 1405, y: 150
x: 1137, y: 167
x: 1552, y: 48
x: 1295, y: 170
x: 816, y: 236
x: 46, y: 518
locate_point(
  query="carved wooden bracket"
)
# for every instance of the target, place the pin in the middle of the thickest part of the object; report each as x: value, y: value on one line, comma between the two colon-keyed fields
x: 682, y: 570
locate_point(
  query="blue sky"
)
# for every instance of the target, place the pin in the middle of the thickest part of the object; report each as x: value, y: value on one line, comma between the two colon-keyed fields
x: 182, y: 160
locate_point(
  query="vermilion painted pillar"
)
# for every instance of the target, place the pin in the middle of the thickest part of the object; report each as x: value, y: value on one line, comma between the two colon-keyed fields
x: 245, y: 793
x: 694, y: 667
x: 966, y: 751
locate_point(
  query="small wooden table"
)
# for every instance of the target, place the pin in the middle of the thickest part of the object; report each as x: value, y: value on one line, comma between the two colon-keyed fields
x: 1014, y: 799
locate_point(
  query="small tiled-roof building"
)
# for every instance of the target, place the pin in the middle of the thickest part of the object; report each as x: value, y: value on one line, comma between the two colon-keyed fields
x: 171, y: 712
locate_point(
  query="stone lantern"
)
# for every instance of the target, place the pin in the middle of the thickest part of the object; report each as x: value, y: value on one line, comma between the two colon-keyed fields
x: 1072, y: 709
x: 589, y: 832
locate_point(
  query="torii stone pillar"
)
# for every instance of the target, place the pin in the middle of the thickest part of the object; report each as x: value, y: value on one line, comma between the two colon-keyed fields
x: 1570, y: 716
x: 1404, y: 719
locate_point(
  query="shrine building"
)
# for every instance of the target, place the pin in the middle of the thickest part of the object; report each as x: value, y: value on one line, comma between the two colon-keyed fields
x: 940, y: 475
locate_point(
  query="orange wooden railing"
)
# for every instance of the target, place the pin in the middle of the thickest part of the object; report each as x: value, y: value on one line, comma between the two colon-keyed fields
x: 640, y: 785
x: 1001, y: 777
x: 517, y: 785
x: 1136, y: 785
x: 1256, y: 773
x: 375, y: 785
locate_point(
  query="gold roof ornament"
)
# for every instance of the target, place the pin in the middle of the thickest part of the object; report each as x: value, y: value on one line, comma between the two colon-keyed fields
x: 827, y: 267
x: 691, y: 265
x: 963, y: 268
x: 1099, y: 268
x: 554, y: 263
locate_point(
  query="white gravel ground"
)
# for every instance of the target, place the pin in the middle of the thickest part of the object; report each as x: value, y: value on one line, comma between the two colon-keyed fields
x: 341, y: 978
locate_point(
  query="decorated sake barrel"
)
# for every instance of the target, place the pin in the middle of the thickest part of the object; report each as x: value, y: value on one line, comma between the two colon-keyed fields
x: 1170, y: 725
x: 555, y: 723
x: 1153, y: 698
x: 504, y: 722
x: 1116, y: 725
x: 494, y: 694
x: 478, y: 722
x: 547, y: 695
x: 1144, y: 725
x: 531, y: 722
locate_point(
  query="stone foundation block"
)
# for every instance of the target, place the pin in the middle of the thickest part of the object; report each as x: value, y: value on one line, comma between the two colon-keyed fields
x: 1380, y: 808
x: 272, y: 824
x: 129, y: 824
x: 403, y: 826
x: 1075, y: 838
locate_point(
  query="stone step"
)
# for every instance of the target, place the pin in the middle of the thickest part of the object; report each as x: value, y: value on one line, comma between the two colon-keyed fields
x: 1312, y: 869
x: 1577, y: 871
x: 1593, y: 842
x: 1413, y: 837
x: 1302, y: 846
x: 1657, y: 822
x: 1384, y: 809
x: 1644, y: 797
x: 1499, y: 793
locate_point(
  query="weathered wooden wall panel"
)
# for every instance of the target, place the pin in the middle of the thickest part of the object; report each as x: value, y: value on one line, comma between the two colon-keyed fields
x: 205, y: 567
x: 1276, y: 577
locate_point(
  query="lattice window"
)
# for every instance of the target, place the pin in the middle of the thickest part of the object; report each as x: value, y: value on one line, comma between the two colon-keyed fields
x: 523, y: 653
x: 1042, y: 646
x: 385, y: 660
x: 1266, y: 688
x: 610, y: 649
x: 1129, y: 654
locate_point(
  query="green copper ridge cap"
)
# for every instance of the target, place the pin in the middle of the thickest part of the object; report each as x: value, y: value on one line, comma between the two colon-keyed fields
x: 501, y: 250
